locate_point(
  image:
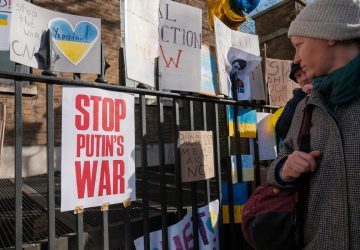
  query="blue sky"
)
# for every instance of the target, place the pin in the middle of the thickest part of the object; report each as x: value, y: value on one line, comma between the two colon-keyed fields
x: 249, y: 26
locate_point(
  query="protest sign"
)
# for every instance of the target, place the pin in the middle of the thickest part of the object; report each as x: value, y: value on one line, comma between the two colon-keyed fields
x: 141, y: 40
x: 266, y: 136
x: 197, y: 155
x: 280, y: 86
x: 75, y: 39
x: 209, y: 84
x: 226, y: 38
x: 180, y: 235
x: 243, y: 65
x: 5, y: 19
x: 98, y: 148
x: 180, y: 29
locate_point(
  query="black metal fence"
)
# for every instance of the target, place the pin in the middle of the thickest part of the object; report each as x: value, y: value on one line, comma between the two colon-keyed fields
x: 162, y: 197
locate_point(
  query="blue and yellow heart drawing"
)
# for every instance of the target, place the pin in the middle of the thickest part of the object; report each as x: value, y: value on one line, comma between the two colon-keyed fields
x: 73, y: 43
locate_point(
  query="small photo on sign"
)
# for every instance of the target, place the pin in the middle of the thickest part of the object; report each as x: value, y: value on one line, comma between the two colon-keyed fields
x: 197, y: 155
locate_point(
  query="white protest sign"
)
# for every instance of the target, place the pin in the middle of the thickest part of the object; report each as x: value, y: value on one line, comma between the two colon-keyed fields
x: 197, y: 155
x: 226, y: 38
x: 180, y: 30
x: 266, y: 136
x: 180, y: 235
x: 279, y: 84
x: 5, y: 20
x: 98, y: 148
x: 240, y: 73
x: 141, y: 39
x: 75, y: 39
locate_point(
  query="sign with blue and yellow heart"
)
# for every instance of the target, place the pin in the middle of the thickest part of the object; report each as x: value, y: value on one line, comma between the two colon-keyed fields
x: 76, y: 40
x: 73, y: 42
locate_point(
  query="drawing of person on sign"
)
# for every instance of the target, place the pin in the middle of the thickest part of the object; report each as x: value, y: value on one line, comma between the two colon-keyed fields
x: 242, y: 65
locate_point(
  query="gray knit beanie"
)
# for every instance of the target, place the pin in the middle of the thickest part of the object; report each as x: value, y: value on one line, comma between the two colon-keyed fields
x: 328, y: 19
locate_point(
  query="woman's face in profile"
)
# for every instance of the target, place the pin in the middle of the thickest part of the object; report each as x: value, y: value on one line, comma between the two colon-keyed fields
x: 315, y: 56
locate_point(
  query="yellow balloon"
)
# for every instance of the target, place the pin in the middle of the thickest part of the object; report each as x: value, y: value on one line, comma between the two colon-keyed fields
x: 275, y: 117
x: 221, y: 9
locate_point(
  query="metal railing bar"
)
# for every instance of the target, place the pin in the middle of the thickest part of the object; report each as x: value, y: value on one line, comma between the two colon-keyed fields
x: 75, y: 82
x: 218, y: 174
x: 164, y: 224
x: 194, y: 188
x: 144, y: 162
x: 179, y: 199
x: 230, y: 186
x: 105, y: 229
x: 207, y: 182
x: 127, y: 228
x: 18, y: 165
x: 50, y: 165
x: 80, y: 230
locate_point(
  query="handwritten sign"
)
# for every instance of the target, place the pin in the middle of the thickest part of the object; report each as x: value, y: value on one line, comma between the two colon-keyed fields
x: 141, y: 39
x: 197, y: 155
x: 5, y: 19
x: 279, y: 84
x: 181, y: 235
x: 98, y: 147
x: 226, y: 38
x: 76, y: 39
x: 180, y: 31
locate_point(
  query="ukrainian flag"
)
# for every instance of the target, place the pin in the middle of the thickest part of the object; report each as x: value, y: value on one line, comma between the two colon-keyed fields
x: 230, y: 116
x: 240, y: 196
x: 247, y: 123
x: 3, y: 20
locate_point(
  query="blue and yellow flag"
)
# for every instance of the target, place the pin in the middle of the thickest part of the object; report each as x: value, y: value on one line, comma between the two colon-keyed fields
x: 247, y: 164
x: 247, y: 123
x: 3, y: 20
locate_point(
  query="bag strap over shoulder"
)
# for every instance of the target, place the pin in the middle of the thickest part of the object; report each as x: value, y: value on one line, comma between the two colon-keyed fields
x: 303, y: 181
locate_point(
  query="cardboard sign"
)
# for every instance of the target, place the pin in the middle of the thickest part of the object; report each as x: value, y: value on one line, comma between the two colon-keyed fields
x: 226, y: 38
x: 181, y: 236
x: 180, y: 31
x: 141, y: 39
x: 279, y: 84
x: 197, y: 155
x: 98, y: 148
x: 75, y: 39
x: 266, y: 137
x: 5, y: 20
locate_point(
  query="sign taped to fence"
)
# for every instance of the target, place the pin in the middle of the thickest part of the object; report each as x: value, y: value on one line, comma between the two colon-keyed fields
x: 197, y: 155
x: 226, y: 38
x: 181, y: 235
x: 75, y: 39
x: 180, y: 31
x: 141, y: 39
x: 279, y: 84
x: 98, y: 148
x: 5, y: 19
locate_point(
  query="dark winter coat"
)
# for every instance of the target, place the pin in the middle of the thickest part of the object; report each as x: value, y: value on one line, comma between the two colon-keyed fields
x: 332, y: 216
x: 283, y: 123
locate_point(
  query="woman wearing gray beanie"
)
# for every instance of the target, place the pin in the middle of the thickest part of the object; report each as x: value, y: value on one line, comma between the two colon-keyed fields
x: 326, y: 36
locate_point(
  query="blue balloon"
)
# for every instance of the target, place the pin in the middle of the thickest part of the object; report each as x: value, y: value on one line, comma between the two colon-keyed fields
x: 241, y: 6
